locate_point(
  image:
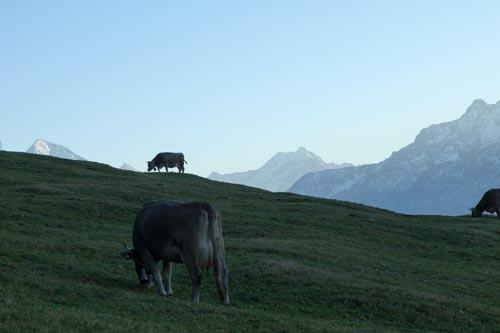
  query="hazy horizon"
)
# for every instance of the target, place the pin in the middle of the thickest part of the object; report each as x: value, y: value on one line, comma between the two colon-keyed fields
x: 231, y: 84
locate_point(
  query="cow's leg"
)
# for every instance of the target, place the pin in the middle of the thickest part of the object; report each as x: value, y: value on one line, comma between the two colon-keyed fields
x: 195, y: 272
x: 196, y: 281
x: 220, y: 275
x: 167, y: 275
x: 144, y: 278
x: 151, y: 265
x: 498, y: 212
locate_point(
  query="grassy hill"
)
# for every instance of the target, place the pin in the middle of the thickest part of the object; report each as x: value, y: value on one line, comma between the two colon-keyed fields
x: 297, y: 264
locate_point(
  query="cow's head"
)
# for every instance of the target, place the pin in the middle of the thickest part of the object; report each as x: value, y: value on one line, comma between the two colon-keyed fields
x: 143, y: 274
x: 151, y: 165
x: 475, y: 212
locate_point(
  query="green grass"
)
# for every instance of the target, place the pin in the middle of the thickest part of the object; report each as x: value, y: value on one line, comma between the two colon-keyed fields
x: 297, y: 264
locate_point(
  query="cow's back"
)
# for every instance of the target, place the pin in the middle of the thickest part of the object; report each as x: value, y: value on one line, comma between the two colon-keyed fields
x: 490, y: 196
x: 163, y: 224
x: 167, y: 157
x: 162, y: 158
x: 496, y: 193
x: 493, y: 197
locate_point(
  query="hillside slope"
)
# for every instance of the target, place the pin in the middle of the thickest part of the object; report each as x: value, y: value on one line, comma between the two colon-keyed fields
x: 297, y: 264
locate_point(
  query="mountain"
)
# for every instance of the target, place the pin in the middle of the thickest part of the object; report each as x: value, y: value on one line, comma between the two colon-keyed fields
x: 127, y: 167
x: 44, y: 147
x: 444, y: 171
x: 280, y: 172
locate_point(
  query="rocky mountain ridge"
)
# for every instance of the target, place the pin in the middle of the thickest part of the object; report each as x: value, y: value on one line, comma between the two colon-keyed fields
x: 444, y: 171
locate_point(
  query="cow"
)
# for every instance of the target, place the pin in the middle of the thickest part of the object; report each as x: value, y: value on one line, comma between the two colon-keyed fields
x: 167, y: 160
x: 178, y: 232
x: 490, y: 202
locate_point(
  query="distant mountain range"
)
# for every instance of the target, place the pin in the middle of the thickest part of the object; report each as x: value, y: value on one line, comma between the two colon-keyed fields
x: 444, y: 171
x: 44, y: 147
x: 280, y: 172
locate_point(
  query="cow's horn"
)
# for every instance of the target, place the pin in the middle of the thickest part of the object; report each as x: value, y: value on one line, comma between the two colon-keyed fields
x: 126, y: 253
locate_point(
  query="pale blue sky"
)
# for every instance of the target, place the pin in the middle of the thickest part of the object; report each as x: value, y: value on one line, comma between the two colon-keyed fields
x: 230, y: 83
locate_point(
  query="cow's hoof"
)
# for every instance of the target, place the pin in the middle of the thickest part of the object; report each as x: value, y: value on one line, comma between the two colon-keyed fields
x: 146, y: 283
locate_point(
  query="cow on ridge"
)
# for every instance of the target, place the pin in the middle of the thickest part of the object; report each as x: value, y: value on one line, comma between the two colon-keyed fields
x: 167, y: 160
x: 173, y: 231
x: 490, y: 202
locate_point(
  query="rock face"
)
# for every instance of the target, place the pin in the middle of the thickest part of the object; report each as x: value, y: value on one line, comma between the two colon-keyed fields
x: 444, y: 171
x: 280, y: 172
x: 43, y: 147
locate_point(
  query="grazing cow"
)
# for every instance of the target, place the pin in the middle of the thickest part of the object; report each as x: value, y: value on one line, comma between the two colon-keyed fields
x: 173, y: 231
x: 490, y: 202
x: 167, y: 160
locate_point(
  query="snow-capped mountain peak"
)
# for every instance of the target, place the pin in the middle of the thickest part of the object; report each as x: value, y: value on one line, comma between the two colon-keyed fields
x: 128, y: 167
x: 280, y: 172
x: 303, y: 151
x: 44, y: 147
x: 301, y: 156
x: 479, y: 125
x: 41, y: 147
x: 442, y: 172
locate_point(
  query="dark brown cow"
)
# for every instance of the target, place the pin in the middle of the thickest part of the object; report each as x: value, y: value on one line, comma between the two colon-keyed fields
x: 189, y: 233
x: 490, y: 202
x: 167, y: 160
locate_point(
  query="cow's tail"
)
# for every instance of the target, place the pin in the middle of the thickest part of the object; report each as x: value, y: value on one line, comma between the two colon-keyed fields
x: 219, y: 255
x: 185, y: 161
